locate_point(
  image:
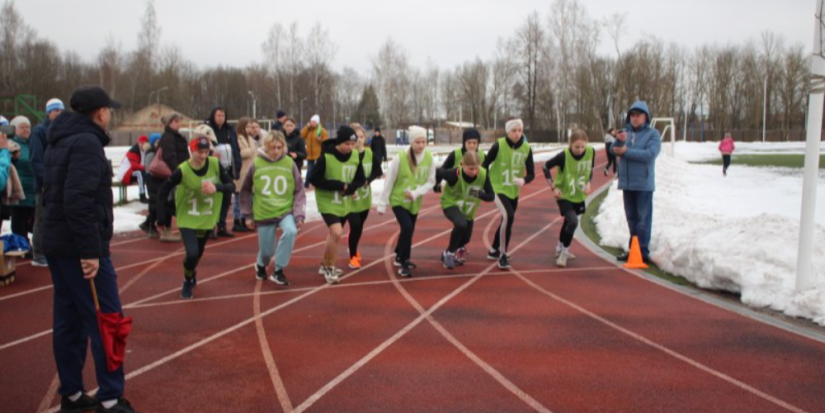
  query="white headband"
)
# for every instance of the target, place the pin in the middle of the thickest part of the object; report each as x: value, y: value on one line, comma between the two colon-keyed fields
x: 512, y: 124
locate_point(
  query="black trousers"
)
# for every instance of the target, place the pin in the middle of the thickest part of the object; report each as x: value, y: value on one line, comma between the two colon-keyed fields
x: 22, y: 221
x: 227, y: 201
x: 725, y: 162
x: 194, y: 242
x: 356, y: 229
x: 507, y: 208
x: 570, y: 211
x: 462, y: 229
x: 406, y: 220
x: 611, y: 158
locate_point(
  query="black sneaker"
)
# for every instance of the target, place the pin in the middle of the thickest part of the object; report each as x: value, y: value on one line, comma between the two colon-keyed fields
x: 222, y: 232
x: 186, y: 290
x: 397, y: 261
x: 194, y: 279
x: 406, y: 270
x: 153, y: 232
x: 144, y: 199
x: 122, y: 406
x: 260, y: 272
x: 144, y: 226
x: 622, y: 257
x: 493, y: 255
x: 237, y: 227
x: 279, y: 278
x: 83, y: 404
x: 504, y: 262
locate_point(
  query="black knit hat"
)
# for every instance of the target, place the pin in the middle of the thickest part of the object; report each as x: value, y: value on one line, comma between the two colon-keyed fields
x: 470, y: 133
x: 280, y: 114
x: 345, y: 134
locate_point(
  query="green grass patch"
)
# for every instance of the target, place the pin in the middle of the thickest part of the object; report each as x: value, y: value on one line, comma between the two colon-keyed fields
x: 766, y: 160
x: 589, y: 228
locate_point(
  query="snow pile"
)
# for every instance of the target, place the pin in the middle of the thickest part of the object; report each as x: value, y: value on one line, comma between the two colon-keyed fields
x: 737, y: 233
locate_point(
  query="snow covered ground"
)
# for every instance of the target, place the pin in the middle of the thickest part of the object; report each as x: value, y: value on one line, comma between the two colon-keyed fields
x: 737, y: 233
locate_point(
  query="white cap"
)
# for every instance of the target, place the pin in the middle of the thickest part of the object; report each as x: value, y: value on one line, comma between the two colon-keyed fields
x: 417, y: 132
x: 315, y: 118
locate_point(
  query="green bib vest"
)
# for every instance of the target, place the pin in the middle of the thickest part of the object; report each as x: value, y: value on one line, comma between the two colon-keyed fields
x: 364, y: 201
x: 273, y: 187
x: 194, y: 209
x: 407, y: 180
x: 458, y: 195
x: 572, y: 180
x: 334, y: 202
x: 509, y: 165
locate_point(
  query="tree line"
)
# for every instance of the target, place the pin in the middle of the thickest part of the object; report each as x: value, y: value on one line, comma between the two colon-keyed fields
x: 548, y: 72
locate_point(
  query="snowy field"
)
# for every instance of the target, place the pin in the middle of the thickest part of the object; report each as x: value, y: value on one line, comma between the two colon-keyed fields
x: 737, y: 233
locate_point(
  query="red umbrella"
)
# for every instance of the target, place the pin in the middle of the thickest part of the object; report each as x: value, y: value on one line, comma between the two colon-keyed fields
x: 113, y: 331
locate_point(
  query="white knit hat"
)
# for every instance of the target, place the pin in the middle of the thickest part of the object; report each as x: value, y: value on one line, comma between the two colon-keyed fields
x: 20, y: 120
x: 417, y: 132
x: 511, y: 124
x: 315, y: 118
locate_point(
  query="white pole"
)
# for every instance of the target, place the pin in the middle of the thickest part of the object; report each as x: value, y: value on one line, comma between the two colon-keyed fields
x: 764, y: 107
x: 804, y: 274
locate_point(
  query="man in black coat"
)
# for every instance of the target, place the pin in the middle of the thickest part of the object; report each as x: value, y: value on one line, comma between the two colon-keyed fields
x: 378, y: 146
x: 37, y: 149
x: 77, y: 198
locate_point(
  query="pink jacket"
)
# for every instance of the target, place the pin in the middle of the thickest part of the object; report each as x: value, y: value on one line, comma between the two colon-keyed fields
x: 726, y: 146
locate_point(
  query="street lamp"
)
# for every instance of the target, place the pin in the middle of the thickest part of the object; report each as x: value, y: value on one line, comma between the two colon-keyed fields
x: 254, y: 105
x: 302, y: 111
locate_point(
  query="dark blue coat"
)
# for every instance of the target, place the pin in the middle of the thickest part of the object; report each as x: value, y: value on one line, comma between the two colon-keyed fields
x: 77, y: 193
x: 37, y: 148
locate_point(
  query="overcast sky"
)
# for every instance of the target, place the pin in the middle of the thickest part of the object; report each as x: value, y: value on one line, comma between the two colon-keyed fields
x: 211, y: 32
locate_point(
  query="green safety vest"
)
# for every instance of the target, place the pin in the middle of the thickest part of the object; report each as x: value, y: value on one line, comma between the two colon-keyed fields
x: 458, y: 195
x: 273, y: 187
x: 194, y: 209
x: 572, y: 180
x: 460, y: 156
x: 407, y: 180
x: 509, y: 165
x: 364, y: 201
x: 334, y: 202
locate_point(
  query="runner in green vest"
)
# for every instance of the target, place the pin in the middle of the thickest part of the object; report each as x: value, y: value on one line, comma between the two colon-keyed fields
x: 471, y: 139
x: 410, y: 177
x: 467, y: 185
x: 272, y: 197
x: 510, y: 165
x: 360, y: 208
x: 571, y: 187
x: 336, y: 176
x: 200, y: 185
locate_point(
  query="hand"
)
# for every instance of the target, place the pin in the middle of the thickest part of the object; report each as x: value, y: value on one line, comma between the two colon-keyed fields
x: 556, y: 193
x: 622, y: 135
x: 299, y: 224
x: 208, y: 188
x: 477, y: 194
x: 250, y: 223
x: 293, y: 155
x: 519, y: 182
x: 409, y: 195
x: 90, y: 267
x: 4, y: 141
x: 355, y: 196
x: 381, y: 209
x: 550, y: 183
x: 587, y: 188
x: 621, y: 150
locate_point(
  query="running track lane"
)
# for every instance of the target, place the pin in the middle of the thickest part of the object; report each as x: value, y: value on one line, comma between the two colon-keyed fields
x: 591, y: 337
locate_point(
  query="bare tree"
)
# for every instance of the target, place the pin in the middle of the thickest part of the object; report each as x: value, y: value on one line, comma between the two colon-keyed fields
x: 320, y: 51
x: 391, y: 75
x: 272, y: 49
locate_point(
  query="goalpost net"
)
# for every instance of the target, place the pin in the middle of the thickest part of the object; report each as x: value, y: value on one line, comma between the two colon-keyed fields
x: 667, y: 128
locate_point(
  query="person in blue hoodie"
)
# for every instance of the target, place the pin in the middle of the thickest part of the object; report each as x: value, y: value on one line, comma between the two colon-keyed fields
x: 638, y: 145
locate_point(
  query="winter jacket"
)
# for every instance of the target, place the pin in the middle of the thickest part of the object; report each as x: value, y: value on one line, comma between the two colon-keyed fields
x: 77, y: 190
x: 5, y: 164
x: 135, y: 157
x: 226, y: 135
x: 726, y: 146
x: 26, y: 174
x: 295, y: 144
x: 249, y: 148
x: 379, y: 148
x: 313, y: 144
x: 637, y: 167
x: 299, y: 197
x: 175, y: 149
x: 37, y: 147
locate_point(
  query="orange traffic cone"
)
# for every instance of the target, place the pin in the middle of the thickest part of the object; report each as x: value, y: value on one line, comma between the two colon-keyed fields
x: 634, y: 259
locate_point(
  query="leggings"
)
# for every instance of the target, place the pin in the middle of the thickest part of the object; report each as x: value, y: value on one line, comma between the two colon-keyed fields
x: 570, y: 211
x: 356, y: 228
x: 22, y: 221
x: 611, y: 158
x: 462, y: 229
x: 725, y: 162
x: 194, y: 241
x: 406, y: 220
x: 507, y: 208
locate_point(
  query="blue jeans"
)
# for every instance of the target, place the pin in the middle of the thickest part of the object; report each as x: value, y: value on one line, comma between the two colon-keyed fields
x: 75, y: 323
x: 236, y: 210
x: 310, y: 165
x: 638, y: 208
x: 266, y: 243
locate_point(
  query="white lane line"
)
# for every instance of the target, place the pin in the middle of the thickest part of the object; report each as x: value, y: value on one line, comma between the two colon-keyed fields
x: 272, y: 368
x: 662, y: 348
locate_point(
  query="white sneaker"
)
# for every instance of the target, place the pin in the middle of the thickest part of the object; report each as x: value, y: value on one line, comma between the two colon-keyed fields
x: 331, y: 275
x: 561, y: 261
x: 338, y: 271
x: 570, y: 255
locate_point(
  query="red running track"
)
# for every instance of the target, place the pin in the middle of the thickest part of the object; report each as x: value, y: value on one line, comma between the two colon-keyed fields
x: 589, y: 338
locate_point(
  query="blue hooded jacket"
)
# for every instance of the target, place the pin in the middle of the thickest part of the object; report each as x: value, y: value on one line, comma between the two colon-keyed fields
x: 637, y: 167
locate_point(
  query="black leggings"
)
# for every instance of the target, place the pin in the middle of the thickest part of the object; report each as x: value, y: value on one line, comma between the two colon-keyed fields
x: 227, y: 201
x: 570, y: 211
x: 611, y: 158
x: 725, y: 162
x: 406, y: 220
x: 22, y: 221
x: 194, y: 241
x: 462, y: 229
x: 507, y: 208
x: 356, y: 228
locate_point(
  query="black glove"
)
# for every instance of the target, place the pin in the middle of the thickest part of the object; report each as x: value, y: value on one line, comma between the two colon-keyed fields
x: 437, y: 188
